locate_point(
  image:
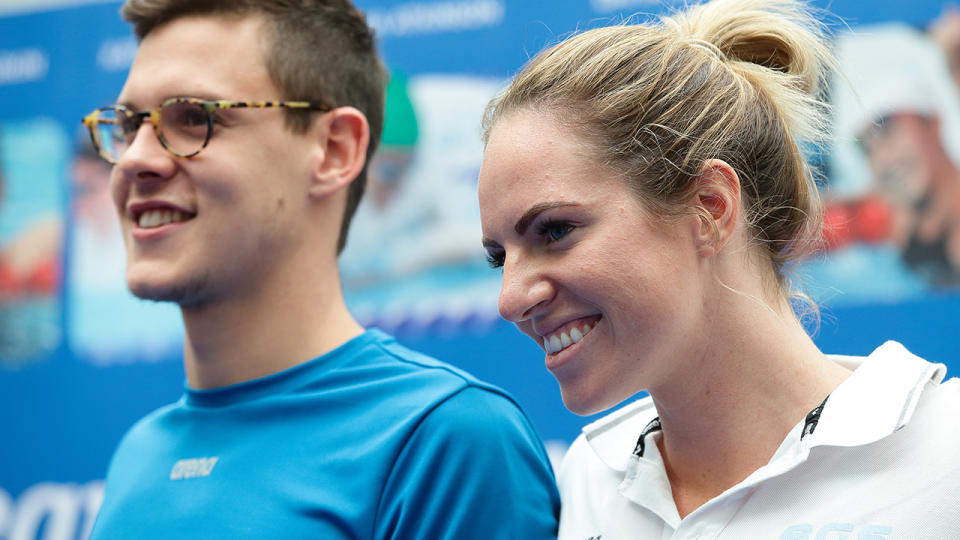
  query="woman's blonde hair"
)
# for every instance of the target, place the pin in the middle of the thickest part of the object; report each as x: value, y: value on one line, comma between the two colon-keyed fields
x: 738, y: 80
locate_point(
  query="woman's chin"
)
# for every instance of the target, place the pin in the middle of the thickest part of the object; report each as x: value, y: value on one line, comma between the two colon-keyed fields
x: 585, y: 403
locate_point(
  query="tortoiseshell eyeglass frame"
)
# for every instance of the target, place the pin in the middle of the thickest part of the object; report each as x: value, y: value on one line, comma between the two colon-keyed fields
x: 135, y: 119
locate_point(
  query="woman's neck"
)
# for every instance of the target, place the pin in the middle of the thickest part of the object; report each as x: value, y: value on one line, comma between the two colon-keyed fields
x: 727, y: 416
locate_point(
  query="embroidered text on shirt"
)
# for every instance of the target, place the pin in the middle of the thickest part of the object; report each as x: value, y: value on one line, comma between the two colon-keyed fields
x: 193, y: 468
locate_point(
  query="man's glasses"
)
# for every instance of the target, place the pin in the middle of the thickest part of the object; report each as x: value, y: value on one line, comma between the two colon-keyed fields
x: 183, y: 125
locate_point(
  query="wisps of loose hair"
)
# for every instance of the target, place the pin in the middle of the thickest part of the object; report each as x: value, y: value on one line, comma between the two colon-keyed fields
x: 738, y: 80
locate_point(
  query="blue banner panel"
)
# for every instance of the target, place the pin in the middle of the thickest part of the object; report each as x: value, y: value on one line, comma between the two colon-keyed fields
x: 81, y: 359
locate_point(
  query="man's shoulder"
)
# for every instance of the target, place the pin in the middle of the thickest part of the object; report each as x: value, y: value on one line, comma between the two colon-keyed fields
x: 148, y: 434
x: 391, y: 363
x: 449, y: 399
x: 154, y: 421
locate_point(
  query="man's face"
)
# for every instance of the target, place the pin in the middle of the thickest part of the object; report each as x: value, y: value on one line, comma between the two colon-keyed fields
x: 901, y: 152
x: 219, y: 224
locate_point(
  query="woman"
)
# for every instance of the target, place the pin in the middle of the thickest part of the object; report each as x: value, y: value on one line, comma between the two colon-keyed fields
x: 644, y: 192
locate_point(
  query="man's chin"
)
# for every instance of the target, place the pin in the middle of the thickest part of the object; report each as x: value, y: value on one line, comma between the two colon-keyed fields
x: 185, y: 294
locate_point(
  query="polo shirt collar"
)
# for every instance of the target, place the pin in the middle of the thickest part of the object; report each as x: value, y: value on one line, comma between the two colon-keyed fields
x: 614, y: 436
x: 881, y: 395
x: 877, y: 399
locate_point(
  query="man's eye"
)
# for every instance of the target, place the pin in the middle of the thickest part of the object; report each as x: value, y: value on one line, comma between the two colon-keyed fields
x: 194, y: 118
x: 126, y: 124
x: 184, y: 116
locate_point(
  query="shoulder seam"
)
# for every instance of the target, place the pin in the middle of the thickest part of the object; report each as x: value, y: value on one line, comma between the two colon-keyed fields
x: 467, y: 380
x: 466, y: 384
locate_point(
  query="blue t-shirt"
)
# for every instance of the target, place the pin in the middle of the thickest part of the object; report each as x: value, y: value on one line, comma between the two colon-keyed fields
x: 371, y: 440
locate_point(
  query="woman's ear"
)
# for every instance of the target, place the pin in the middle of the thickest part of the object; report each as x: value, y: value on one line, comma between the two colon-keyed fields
x: 717, y: 202
x: 343, y: 137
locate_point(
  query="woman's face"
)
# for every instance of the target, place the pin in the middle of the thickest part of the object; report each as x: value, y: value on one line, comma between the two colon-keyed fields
x: 608, y: 290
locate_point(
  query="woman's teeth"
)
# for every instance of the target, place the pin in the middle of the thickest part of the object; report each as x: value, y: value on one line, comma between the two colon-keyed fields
x: 555, y: 343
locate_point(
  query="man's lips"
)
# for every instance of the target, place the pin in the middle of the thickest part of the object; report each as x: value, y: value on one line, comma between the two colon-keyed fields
x: 152, y: 214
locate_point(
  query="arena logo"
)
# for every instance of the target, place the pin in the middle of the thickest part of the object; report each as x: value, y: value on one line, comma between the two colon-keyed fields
x: 193, y: 468
x: 116, y: 54
x: 432, y: 18
x: 50, y: 511
x: 23, y: 65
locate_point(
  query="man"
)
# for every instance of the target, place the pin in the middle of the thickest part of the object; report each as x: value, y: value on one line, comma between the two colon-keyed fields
x: 915, y: 175
x: 296, y: 422
x: 895, y: 149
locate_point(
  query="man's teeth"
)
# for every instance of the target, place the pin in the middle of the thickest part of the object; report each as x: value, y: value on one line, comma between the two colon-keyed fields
x: 156, y: 218
x: 557, y: 342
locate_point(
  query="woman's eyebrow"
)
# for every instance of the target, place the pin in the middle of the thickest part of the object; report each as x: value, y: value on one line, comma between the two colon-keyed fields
x: 531, y: 214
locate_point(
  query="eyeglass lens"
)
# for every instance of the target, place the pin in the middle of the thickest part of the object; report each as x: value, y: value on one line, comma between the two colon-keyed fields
x: 184, y: 129
x: 109, y: 135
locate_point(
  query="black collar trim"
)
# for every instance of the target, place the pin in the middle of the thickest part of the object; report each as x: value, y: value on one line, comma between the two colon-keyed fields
x: 813, y: 418
x: 809, y: 425
x: 654, y: 425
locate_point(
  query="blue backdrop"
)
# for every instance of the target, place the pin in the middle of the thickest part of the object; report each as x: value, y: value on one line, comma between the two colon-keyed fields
x: 80, y: 361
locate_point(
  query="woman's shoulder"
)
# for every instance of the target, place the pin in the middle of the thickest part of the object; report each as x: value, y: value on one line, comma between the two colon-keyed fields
x: 937, y: 408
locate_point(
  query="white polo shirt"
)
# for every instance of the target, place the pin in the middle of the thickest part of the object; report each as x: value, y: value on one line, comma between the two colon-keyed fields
x: 882, y: 461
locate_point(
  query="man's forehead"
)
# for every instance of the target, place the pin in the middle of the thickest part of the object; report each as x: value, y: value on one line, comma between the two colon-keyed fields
x: 205, y: 56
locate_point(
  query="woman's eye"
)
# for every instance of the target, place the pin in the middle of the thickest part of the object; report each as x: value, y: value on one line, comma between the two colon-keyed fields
x: 495, y: 258
x: 554, y: 231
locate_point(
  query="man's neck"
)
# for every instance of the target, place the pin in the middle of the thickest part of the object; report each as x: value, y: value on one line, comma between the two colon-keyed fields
x: 238, y: 340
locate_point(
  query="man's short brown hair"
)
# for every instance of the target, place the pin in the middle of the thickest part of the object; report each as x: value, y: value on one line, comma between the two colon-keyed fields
x: 317, y: 50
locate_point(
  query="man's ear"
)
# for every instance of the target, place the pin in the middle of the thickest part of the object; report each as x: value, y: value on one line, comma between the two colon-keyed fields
x: 717, y: 202
x: 343, y: 140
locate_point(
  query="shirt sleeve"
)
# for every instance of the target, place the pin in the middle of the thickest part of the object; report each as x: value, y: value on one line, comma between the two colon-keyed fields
x: 473, y: 468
